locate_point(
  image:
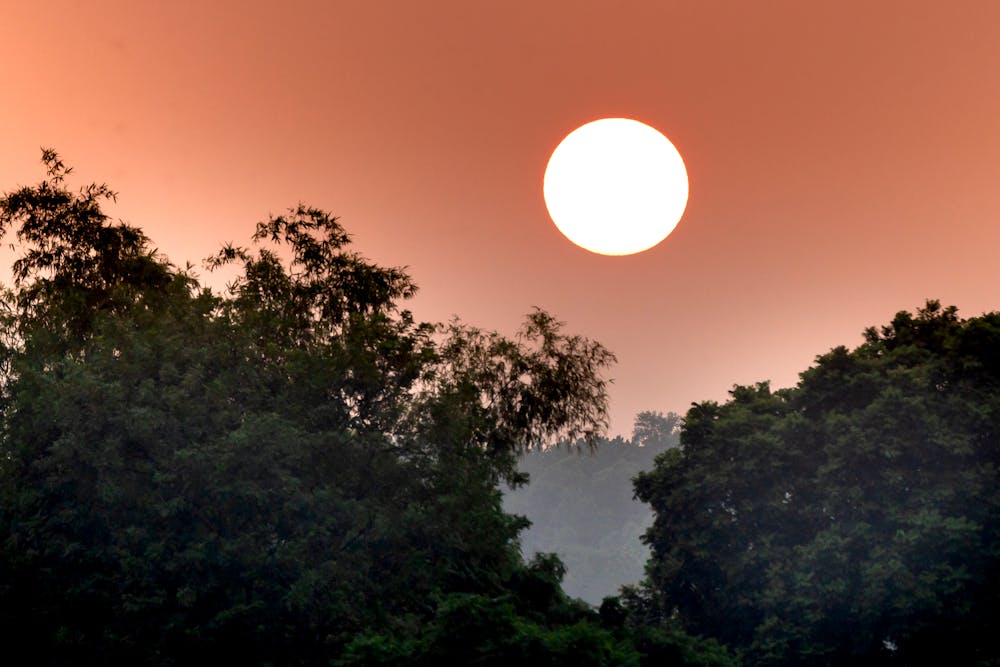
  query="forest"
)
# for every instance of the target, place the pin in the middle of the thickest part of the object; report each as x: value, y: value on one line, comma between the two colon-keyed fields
x: 295, y: 471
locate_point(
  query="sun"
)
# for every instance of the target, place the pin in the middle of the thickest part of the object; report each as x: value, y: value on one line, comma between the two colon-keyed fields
x: 615, y: 186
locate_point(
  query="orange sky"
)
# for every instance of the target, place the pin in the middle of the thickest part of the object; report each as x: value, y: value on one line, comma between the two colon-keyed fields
x: 844, y: 156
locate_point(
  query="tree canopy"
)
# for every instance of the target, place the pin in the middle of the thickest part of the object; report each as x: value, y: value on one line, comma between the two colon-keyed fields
x: 851, y: 520
x: 269, y: 475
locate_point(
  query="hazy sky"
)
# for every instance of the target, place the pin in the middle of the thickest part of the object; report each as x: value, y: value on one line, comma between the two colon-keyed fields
x: 843, y: 156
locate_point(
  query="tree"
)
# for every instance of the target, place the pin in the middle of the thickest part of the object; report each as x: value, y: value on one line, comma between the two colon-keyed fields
x: 261, y: 476
x: 653, y: 429
x: 853, y: 519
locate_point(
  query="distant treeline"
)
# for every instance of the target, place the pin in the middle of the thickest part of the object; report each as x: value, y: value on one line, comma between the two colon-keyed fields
x: 581, y: 505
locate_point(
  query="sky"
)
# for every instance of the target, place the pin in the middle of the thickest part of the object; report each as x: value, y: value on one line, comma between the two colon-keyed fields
x: 843, y: 156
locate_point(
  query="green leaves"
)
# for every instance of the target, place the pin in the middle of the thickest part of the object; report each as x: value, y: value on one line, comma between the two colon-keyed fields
x: 266, y: 476
x: 850, y: 519
x: 478, y: 630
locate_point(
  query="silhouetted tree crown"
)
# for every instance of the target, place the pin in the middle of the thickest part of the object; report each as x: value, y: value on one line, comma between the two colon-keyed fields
x: 851, y: 520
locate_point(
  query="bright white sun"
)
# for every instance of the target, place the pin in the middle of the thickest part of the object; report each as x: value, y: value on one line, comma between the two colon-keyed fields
x: 615, y: 186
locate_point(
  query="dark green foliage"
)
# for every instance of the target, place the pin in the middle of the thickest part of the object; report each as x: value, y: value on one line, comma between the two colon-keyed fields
x: 854, y: 519
x: 476, y: 630
x: 76, y: 265
x: 581, y: 506
x: 658, y: 646
x: 284, y: 474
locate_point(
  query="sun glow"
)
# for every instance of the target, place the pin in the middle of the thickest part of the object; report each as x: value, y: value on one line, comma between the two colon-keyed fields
x: 615, y: 186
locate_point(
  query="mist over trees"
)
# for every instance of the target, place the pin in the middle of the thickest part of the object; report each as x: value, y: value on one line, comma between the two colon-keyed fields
x: 582, y: 507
